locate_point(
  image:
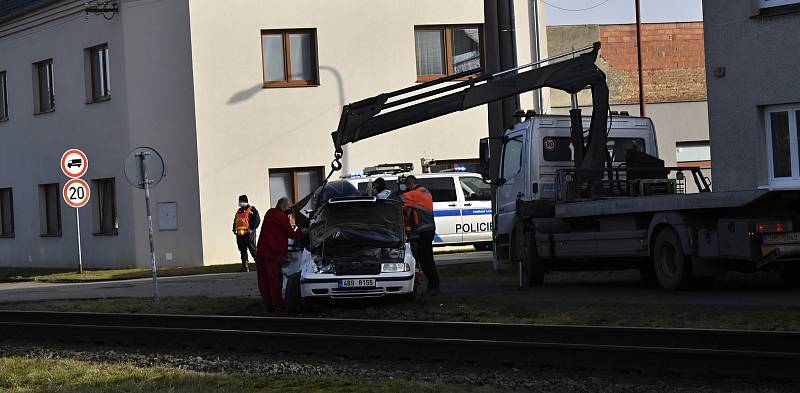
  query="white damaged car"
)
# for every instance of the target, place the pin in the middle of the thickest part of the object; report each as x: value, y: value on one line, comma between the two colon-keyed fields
x: 356, y: 248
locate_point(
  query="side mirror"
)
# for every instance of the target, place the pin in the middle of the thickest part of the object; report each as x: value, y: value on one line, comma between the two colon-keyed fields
x: 485, y: 155
x: 487, y: 146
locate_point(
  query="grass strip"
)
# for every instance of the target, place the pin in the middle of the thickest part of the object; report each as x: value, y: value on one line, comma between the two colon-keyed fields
x: 18, y: 375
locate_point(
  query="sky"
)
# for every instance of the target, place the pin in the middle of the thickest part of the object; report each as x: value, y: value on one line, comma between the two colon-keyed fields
x: 577, y: 12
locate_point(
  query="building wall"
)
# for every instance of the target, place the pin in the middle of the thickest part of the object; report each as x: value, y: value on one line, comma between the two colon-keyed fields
x: 673, y: 61
x: 365, y: 47
x: 760, y: 60
x: 151, y: 104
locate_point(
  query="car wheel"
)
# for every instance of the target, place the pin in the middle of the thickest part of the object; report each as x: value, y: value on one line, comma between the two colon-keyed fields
x: 294, y: 300
x: 673, y: 268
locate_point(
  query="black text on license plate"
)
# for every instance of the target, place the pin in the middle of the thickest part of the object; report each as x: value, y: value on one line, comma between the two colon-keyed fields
x: 357, y: 283
x: 781, y: 238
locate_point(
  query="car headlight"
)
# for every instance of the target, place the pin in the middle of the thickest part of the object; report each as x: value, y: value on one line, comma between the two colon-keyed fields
x: 394, y: 267
x: 323, y: 269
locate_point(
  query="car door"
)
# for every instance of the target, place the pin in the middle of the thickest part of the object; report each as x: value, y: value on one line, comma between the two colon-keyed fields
x: 446, y: 207
x: 476, y: 210
x: 514, y: 156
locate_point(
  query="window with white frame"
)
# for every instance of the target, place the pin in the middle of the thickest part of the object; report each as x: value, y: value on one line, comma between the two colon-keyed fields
x: 98, y: 81
x: 783, y: 143
x: 695, y: 153
x: 43, y: 86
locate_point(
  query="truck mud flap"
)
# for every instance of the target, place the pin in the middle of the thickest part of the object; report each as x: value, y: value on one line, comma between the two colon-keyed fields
x: 780, y: 254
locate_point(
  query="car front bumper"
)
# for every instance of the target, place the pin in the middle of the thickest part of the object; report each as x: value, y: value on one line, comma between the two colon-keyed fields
x: 327, y: 285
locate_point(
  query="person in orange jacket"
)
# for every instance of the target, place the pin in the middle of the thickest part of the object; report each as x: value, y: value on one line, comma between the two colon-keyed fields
x: 418, y: 208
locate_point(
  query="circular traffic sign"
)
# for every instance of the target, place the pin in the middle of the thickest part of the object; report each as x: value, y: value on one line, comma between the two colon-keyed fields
x: 153, y: 164
x: 74, y: 163
x: 76, y: 193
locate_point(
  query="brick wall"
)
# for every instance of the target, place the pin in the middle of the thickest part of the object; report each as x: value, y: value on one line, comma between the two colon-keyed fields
x: 673, y: 59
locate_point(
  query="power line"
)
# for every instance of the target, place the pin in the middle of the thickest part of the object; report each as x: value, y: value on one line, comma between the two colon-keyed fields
x: 575, y: 10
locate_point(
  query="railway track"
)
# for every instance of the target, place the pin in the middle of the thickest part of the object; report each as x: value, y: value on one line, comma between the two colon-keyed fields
x: 721, y: 352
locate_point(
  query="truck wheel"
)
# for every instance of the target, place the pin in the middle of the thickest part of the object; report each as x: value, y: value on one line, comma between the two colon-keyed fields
x: 294, y: 300
x: 533, y: 274
x: 673, y: 268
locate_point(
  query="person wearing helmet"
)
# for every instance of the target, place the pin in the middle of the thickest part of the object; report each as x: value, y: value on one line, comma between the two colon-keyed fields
x: 379, y: 189
x: 245, y: 222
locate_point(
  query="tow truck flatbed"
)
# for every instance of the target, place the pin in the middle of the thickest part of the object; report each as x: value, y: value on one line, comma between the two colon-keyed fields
x: 658, y: 203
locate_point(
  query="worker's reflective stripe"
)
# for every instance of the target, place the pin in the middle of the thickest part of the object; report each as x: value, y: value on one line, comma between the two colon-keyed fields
x: 242, y: 222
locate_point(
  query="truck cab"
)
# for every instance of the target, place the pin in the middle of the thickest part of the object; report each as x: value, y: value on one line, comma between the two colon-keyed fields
x: 536, y: 149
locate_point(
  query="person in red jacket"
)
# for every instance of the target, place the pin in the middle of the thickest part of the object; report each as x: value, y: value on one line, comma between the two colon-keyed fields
x: 273, y: 247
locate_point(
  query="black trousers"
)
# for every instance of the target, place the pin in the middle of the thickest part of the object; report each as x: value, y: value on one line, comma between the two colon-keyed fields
x: 423, y: 253
x: 247, y: 243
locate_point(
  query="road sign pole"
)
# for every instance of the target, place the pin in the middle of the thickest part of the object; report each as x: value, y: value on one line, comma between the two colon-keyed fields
x: 146, y: 184
x: 78, y: 230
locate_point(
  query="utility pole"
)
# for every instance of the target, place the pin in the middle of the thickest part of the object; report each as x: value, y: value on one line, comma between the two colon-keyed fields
x: 500, y: 54
x: 639, y: 57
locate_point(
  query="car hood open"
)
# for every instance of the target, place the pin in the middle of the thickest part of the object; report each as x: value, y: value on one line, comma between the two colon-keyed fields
x: 358, y: 222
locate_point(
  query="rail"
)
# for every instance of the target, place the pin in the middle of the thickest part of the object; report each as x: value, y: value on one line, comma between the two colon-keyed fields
x: 723, y: 352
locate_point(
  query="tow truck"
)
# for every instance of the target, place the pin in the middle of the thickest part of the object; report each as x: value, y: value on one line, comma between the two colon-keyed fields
x: 589, y: 193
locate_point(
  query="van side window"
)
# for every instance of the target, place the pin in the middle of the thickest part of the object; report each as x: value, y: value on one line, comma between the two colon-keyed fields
x: 443, y: 189
x: 475, y: 189
x: 512, y: 157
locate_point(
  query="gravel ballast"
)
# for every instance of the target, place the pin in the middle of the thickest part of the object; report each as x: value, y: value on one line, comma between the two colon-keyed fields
x: 508, y: 379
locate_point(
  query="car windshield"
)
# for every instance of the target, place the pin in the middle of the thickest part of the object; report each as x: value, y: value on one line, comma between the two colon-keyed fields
x: 358, y: 223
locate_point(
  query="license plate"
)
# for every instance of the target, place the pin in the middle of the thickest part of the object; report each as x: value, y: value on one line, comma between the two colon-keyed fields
x: 781, y: 238
x: 357, y: 283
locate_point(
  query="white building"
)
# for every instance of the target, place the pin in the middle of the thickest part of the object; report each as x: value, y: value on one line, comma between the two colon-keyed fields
x: 239, y: 97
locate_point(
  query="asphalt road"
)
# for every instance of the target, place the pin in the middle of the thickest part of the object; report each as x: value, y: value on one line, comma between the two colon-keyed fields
x: 765, y: 290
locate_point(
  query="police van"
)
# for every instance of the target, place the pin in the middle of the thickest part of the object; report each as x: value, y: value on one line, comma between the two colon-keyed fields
x: 462, y: 206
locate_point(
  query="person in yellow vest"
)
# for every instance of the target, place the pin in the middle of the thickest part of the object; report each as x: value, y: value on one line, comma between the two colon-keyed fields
x: 245, y: 223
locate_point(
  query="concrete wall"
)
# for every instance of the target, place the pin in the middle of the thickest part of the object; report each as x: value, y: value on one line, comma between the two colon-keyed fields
x: 151, y: 104
x: 161, y: 115
x: 760, y: 60
x: 365, y: 47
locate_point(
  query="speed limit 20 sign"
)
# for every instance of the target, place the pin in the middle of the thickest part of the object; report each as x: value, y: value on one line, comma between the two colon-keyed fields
x: 76, y: 193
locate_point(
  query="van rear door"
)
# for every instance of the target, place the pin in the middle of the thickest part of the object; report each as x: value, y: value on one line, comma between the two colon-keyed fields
x: 476, y: 210
x: 446, y: 207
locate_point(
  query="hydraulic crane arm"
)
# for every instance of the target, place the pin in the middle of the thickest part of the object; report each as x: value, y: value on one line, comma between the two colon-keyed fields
x: 372, y: 116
